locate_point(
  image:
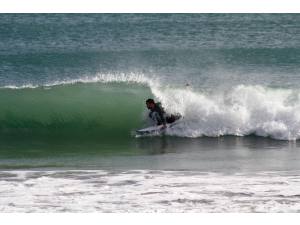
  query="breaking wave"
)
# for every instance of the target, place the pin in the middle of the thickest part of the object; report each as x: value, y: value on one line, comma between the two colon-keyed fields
x: 113, y: 104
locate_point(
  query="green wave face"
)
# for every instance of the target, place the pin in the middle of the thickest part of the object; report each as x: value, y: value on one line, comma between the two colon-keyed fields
x: 79, y: 110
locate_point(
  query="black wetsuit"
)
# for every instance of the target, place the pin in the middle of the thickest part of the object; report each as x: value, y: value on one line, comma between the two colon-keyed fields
x: 159, y: 116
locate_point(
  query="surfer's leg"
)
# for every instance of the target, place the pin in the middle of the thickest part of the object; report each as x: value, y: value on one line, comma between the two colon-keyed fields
x: 170, y: 119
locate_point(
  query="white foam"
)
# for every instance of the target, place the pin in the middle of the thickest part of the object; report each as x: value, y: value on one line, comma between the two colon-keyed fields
x: 148, y: 191
x: 19, y: 87
x: 243, y: 110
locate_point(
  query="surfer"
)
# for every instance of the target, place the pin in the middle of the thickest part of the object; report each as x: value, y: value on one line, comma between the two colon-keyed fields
x: 158, y: 114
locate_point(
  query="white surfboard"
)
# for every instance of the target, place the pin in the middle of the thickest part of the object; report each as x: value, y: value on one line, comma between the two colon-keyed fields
x: 150, y: 130
x: 154, y: 129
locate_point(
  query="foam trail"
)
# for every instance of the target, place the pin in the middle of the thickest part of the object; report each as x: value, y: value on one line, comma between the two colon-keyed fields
x: 241, y: 111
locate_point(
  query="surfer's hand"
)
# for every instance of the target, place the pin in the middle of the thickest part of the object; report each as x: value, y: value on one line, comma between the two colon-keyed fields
x: 164, y: 126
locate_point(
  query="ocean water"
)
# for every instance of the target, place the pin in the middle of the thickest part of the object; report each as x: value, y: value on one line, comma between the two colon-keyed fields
x: 72, y: 93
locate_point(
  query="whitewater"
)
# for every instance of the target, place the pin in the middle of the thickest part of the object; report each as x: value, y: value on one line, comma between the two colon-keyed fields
x: 148, y: 191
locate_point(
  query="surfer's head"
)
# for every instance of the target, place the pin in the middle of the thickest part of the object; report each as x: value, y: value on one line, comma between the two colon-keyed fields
x: 150, y: 103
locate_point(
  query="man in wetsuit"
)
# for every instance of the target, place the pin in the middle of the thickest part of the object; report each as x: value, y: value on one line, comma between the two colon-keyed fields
x: 158, y: 114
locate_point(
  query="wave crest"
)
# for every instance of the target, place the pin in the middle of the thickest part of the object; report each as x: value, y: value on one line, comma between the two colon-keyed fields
x: 138, y: 78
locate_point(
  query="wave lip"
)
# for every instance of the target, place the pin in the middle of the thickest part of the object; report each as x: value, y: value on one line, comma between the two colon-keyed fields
x: 131, y: 78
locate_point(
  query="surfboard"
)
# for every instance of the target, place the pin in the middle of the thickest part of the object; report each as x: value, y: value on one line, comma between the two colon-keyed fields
x: 154, y: 129
x: 150, y: 130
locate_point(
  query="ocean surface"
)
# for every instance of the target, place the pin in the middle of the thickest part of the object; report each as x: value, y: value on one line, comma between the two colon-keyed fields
x: 73, y: 90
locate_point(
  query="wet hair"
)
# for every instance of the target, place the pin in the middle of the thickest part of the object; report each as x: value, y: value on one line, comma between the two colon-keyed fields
x: 150, y: 100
